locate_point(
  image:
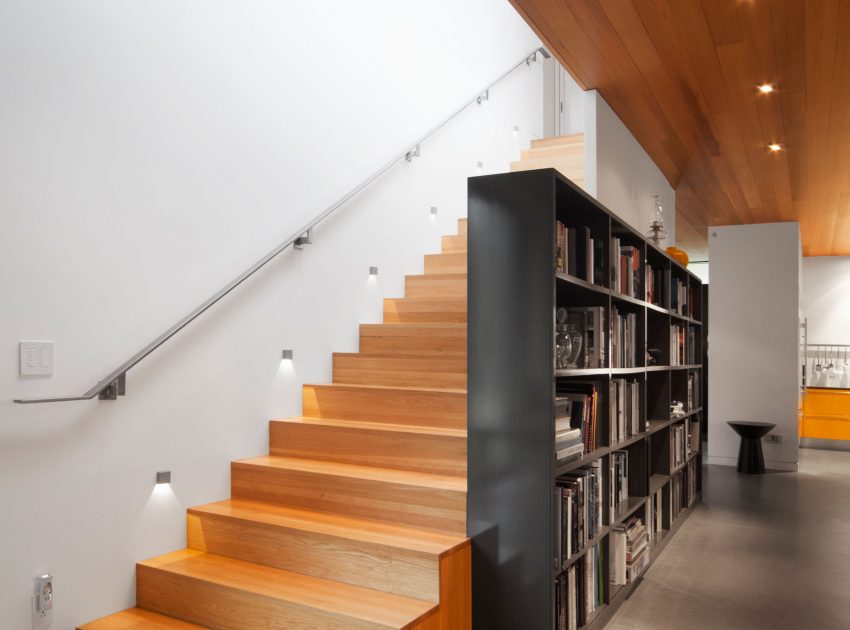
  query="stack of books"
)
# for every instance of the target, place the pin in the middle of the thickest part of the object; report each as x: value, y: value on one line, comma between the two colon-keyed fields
x: 692, y: 482
x: 625, y: 269
x: 581, y: 401
x: 619, y: 491
x: 568, y: 440
x: 677, y: 494
x: 623, y: 339
x: 694, y: 437
x: 678, y: 445
x: 655, y: 516
x: 579, y: 591
x: 693, y: 391
x: 629, y: 551
x: 578, y: 254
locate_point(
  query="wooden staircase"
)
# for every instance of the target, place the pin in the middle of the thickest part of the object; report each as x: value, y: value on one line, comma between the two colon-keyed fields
x: 564, y: 153
x: 357, y: 516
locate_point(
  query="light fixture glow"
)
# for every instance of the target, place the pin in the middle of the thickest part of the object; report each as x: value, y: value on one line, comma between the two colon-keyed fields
x: 286, y: 355
x: 766, y: 88
x: 163, y: 477
x: 433, y: 211
x: 775, y: 147
x: 373, y: 271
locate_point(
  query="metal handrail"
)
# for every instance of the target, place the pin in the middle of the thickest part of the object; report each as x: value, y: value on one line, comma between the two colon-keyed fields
x: 113, y: 385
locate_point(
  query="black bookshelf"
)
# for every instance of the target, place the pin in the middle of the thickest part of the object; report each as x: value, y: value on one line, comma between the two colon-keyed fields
x: 514, y: 291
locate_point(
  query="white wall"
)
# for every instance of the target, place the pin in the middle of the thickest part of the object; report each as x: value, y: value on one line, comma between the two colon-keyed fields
x: 151, y: 151
x: 753, y: 348
x: 826, y: 298
x: 624, y: 177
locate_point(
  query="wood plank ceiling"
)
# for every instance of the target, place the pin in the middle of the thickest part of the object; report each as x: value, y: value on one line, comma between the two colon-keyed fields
x: 682, y: 76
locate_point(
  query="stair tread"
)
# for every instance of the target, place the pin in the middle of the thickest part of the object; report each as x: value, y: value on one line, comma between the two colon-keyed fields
x: 557, y: 141
x: 440, y: 276
x: 403, y: 388
x: 338, y: 598
x: 138, y: 619
x: 368, y: 473
x: 378, y: 426
x: 376, y: 532
x: 413, y: 326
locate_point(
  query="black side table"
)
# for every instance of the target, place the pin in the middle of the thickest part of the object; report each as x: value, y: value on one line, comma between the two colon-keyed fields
x: 750, y: 455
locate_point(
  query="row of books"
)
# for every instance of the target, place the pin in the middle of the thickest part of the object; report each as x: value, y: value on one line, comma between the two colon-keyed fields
x: 578, y: 494
x: 625, y: 409
x: 692, y: 346
x: 679, y: 296
x: 677, y: 344
x: 568, y: 440
x: 678, y: 445
x: 656, y: 280
x: 694, y: 391
x: 655, y: 516
x: 625, y: 269
x: 694, y: 437
x: 629, y: 545
x: 579, y: 591
x: 624, y: 336
x: 619, y: 481
x: 692, y: 483
x: 677, y: 494
x: 578, y: 254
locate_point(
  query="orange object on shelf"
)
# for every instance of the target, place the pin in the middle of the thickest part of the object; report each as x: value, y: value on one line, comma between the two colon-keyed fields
x: 678, y: 255
x: 826, y: 414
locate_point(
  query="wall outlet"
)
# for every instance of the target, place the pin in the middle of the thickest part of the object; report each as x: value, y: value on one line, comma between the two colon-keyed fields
x: 42, y: 602
x: 774, y: 438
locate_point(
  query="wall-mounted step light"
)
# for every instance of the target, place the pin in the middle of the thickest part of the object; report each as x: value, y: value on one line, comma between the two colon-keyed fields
x: 433, y: 211
x: 163, y: 477
x: 286, y: 355
x: 373, y: 271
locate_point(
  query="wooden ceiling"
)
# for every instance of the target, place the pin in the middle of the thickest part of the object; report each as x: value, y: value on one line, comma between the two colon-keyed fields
x: 682, y: 76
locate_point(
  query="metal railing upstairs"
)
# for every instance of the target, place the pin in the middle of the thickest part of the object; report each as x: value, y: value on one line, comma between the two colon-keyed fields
x: 113, y: 385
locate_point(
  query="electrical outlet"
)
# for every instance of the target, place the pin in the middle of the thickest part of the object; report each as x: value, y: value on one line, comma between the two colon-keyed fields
x: 42, y: 602
x: 774, y: 438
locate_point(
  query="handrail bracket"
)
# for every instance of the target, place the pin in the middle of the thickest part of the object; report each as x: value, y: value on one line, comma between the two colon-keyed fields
x: 304, y: 239
x: 116, y: 388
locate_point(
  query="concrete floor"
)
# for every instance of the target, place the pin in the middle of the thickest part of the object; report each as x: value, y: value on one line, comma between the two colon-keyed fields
x: 761, y: 552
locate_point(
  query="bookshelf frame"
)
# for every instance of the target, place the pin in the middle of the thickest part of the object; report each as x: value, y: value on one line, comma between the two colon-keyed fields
x: 513, y: 293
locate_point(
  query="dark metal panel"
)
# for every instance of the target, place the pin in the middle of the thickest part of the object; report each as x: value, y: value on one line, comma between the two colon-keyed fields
x: 511, y: 389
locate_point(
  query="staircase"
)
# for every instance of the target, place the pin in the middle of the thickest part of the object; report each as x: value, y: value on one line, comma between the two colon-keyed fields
x: 357, y: 516
x: 564, y: 153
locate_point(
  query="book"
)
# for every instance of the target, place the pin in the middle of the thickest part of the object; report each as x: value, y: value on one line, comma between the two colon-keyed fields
x: 579, y: 591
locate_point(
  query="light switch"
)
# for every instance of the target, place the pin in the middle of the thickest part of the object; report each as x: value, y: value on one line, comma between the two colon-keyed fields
x: 36, y: 358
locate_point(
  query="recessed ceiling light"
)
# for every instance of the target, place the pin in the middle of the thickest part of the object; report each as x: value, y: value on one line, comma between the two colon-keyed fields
x: 766, y: 88
x: 775, y: 147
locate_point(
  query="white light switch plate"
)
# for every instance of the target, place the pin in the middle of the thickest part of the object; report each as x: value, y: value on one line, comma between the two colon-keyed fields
x: 36, y: 358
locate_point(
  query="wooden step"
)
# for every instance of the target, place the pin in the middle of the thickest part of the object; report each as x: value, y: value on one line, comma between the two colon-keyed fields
x: 445, y: 263
x: 396, y: 496
x: 220, y: 592
x: 400, y: 560
x: 138, y: 619
x: 462, y: 225
x: 558, y: 141
x: 417, y: 338
x: 568, y: 168
x: 454, y: 244
x: 396, y: 405
x: 435, y: 370
x: 436, y: 285
x: 409, y: 310
x: 426, y: 449
x: 573, y: 152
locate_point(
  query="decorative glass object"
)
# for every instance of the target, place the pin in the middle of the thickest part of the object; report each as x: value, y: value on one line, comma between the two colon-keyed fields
x: 657, y: 233
x: 575, y: 336
x: 563, y: 344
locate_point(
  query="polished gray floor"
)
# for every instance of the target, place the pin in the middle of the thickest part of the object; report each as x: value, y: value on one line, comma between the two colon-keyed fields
x: 761, y: 552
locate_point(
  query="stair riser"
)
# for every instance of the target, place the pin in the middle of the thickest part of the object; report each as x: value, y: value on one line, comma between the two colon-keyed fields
x: 399, y: 571
x: 225, y: 608
x: 434, y: 286
x: 446, y: 372
x: 400, y: 311
x: 454, y: 244
x: 441, y: 409
x: 430, y: 508
x: 439, y: 454
x: 391, y: 339
x: 445, y: 263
